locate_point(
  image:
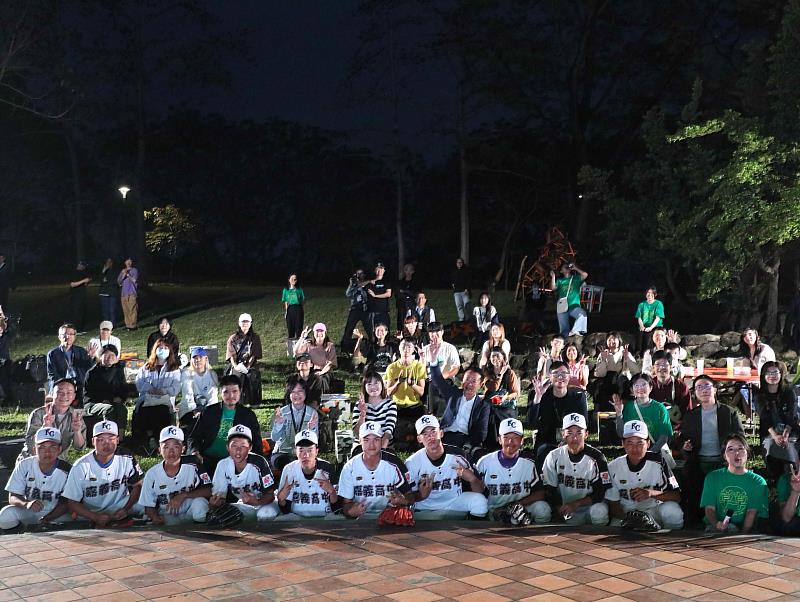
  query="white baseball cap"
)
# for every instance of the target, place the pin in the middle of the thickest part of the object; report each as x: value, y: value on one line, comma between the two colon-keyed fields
x: 510, y: 425
x: 635, y: 428
x: 106, y: 325
x: 47, y: 433
x: 245, y: 318
x: 573, y: 419
x: 105, y: 427
x: 170, y: 432
x: 370, y: 428
x: 240, y: 430
x: 306, y: 435
x: 425, y: 421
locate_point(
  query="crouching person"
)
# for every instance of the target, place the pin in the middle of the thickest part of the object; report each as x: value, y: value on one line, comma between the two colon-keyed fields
x: 244, y: 478
x: 438, y: 476
x: 374, y: 478
x: 177, y: 489
x: 104, y: 485
x: 642, y: 480
x: 516, y: 493
x: 576, y: 476
x: 306, y: 489
x: 35, y: 486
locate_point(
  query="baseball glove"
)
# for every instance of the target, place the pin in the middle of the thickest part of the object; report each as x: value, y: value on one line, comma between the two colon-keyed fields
x: 225, y: 516
x: 512, y: 514
x: 637, y: 520
x: 397, y: 515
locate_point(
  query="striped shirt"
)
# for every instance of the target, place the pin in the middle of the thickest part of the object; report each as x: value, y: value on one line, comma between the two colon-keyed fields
x: 384, y: 413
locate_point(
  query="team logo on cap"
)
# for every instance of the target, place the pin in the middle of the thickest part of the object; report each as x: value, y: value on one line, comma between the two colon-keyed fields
x: 306, y: 434
x: 369, y: 426
x: 635, y: 426
x: 106, y: 426
x: 238, y: 428
x: 50, y: 432
x: 425, y: 420
x: 574, y: 418
x: 172, y: 431
x: 512, y: 424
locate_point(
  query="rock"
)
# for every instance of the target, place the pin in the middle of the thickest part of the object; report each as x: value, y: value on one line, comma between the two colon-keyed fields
x: 789, y: 355
x: 729, y: 339
x: 778, y: 344
x: 700, y: 339
x: 593, y: 338
x: 707, y: 349
x: 518, y: 360
x: 735, y: 349
x: 721, y: 363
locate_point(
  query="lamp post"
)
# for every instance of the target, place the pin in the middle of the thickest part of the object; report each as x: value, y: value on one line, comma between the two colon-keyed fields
x: 124, y: 190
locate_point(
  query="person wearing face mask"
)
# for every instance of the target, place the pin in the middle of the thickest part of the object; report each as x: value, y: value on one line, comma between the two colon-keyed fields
x: 289, y: 420
x: 242, y: 351
x: 199, y: 388
x: 165, y: 332
x: 158, y: 383
x: 57, y: 412
x: 107, y: 389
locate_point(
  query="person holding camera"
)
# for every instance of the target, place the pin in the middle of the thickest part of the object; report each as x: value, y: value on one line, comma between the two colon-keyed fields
x: 568, y: 295
x: 358, y: 309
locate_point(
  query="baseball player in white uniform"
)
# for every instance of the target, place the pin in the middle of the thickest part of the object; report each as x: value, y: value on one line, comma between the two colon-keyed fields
x: 437, y: 474
x: 306, y: 489
x: 374, y: 478
x: 104, y: 485
x: 244, y: 478
x: 177, y: 489
x: 576, y: 476
x: 35, y: 486
x: 642, y: 481
x: 510, y: 475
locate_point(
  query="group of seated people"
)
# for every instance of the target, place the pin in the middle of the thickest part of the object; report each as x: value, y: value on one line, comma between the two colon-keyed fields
x: 557, y: 475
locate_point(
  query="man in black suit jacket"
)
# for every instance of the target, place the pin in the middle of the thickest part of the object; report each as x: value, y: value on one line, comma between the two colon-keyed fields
x: 69, y: 360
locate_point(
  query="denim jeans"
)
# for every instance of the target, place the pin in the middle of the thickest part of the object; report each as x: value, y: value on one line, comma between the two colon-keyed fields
x: 108, y: 308
x: 581, y: 320
x: 462, y: 302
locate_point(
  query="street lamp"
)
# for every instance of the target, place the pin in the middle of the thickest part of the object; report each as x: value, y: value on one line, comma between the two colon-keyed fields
x: 124, y: 190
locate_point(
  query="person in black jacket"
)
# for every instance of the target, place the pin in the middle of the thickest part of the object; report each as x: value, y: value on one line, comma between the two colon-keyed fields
x: 460, y: 284
x: 553, y: 400
x: 209, y: 439
x: 703, y: 456
x: 779, y: 422
x: 6, y: 335
x: 164, y: 331
x: 69, y: 360
x: 106, y: 390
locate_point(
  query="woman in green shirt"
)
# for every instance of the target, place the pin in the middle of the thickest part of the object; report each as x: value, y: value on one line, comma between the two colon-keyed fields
x: 653, y: 413
x: 293, y: 299
x: 649, y: 314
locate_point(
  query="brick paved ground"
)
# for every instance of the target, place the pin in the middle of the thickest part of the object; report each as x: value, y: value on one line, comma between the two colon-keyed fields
x: 357, y: 561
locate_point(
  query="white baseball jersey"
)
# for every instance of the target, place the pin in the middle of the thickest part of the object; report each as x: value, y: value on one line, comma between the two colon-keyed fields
x: 507, y: 484
x: 575, y: 477
x: 158, y: 488
x: 307, y: 497
x: 360, y: 484
x: 447, y: 485
x: 255, y: 478
x: 651, y: 473
x: 103, y: 488
x: 28, y: 481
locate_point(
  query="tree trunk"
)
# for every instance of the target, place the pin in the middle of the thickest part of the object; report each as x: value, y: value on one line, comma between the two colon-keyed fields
x: 464, y: 204
x: 773, y: 275
x: 80, y: 247
x: 401, y: 246
x: 677, y: 295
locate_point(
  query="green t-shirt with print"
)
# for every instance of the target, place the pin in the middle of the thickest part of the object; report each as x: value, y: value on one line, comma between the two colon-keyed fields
x: 219, y: 448
x: 784, y: 489
x: 569, y: 287
x: 648, y: 312
x: 293, y: 296
x: 738, y: 492
x: 655, y: 416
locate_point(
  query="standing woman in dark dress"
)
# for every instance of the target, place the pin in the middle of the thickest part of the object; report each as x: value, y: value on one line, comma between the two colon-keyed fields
x: 293, y: 299
x: 164, y: 332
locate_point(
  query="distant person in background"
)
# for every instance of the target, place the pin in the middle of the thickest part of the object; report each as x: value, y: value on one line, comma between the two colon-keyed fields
x: 568, y: 299
x: 57, y: 412
x: 6, y: 336
x: 108, y: 292
x: 128, y: 280
x: 485, y: 315
x: 77, y: 296
x: 460, y: 283
x: 293, y: 299
x: 649, y: 315
x: 243, y: 351
x: 69, y: 360
x: 405, y: 294
x: 578, y: 370
x: 322, y: 352
x: 379, y: 290
x: 423, y: 312
x: 497, y: 338
x: 547, y: 357
x: 6, y: 281
x: 358, y: 309
x: 199, y: 388
x: 106, y: 389
x: 106, y: 338
x: 165, y: 332
x: 411, y: 330
x: 754, y: 351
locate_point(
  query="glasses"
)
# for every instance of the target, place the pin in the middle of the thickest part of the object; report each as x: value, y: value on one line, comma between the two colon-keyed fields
x: 640, y: 385
x: 707, y: 387
x: 661, y: 367
x: 559, y: 375
x: 773, y: 373
x: 735, y: 450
